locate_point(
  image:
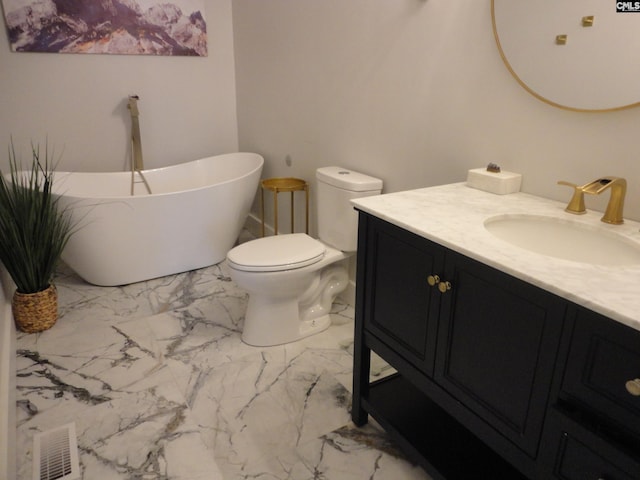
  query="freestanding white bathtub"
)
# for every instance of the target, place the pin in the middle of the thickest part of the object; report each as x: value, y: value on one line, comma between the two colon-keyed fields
x: 191, y: 219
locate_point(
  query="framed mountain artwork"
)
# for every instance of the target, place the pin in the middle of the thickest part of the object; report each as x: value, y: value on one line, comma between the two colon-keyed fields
x: 132, y: 27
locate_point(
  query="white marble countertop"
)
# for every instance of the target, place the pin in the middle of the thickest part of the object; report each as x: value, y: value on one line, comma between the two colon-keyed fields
x: 454, y: 215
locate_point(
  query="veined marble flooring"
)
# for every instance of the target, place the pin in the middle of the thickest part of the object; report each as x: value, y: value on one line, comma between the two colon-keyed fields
x: 160, y: 386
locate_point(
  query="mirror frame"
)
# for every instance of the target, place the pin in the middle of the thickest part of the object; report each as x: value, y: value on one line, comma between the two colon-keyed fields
x: 536, y: 94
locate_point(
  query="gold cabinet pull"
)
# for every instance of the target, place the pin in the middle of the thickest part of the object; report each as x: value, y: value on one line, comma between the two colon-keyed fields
x: 433, y: 280
x: 633, y: 387
x: 444, y: 287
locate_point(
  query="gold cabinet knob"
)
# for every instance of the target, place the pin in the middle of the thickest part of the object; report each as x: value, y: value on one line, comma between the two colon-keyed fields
x: 633, y: 387
x: 434, y: 281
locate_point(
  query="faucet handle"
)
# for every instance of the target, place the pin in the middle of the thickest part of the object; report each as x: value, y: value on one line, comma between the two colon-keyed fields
x: 576, y: 204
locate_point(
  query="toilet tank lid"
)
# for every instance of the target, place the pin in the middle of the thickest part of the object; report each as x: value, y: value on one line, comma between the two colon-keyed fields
x: 348, y: 179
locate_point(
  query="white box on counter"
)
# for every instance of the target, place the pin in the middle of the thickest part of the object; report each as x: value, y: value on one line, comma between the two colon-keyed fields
x: 500, y: 183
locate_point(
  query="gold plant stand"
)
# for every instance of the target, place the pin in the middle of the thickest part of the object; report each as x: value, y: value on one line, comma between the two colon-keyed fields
x: 278, y: 185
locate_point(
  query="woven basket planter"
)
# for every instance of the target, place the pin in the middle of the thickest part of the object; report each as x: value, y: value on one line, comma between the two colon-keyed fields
x: 35, y: 312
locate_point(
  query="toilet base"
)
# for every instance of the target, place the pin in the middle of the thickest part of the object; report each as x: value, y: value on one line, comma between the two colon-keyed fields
x: 268, y: 323
x: 288, y: 305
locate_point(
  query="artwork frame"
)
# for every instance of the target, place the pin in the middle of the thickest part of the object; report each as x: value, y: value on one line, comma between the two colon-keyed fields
x: 126, y: 27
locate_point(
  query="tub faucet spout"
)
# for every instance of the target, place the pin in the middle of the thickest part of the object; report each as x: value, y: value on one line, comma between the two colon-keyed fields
x: 136, y: 142
x: 137, y: 165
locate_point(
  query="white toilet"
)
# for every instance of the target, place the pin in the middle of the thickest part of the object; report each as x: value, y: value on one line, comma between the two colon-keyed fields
x: 293, y: 279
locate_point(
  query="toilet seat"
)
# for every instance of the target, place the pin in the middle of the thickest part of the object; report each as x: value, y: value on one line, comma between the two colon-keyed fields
x: 275, y: 253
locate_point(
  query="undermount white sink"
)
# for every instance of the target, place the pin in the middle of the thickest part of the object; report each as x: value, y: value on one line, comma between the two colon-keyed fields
x: 565, y: 239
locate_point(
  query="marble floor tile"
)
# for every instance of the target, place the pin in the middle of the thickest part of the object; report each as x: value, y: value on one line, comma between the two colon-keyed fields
x: 348, y: 453
x: 259, y: 406
x: 160, y: 386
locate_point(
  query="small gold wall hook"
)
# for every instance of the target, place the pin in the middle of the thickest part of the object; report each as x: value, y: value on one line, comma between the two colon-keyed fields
x: 587, y: 21
x: 561, y: 39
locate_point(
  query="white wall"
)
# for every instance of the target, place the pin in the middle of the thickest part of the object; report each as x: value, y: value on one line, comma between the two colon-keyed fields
x: 187, y: 104
x: 187, y: 111
x: 411, y: 91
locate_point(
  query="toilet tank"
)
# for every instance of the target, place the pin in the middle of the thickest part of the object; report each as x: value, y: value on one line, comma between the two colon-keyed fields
x: 337, y: 219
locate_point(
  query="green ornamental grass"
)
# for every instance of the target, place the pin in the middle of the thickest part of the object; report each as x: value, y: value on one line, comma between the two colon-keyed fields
x: 33, y: 228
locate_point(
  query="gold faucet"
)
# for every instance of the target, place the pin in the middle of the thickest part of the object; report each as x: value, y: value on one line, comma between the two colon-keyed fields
x: 576, y: 204
x: 618, y: 186
x: 137, y: 165
x: 614, y: 212
x: 136, y: 143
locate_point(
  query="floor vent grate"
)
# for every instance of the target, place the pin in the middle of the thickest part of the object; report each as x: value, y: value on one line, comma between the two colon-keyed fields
x: 55, y: 454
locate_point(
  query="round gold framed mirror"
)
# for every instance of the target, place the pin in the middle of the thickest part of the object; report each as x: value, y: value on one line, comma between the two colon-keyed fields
x: 579, y: 55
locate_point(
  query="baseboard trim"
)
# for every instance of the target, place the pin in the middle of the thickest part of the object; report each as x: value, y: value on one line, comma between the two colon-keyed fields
x: 7, y: 381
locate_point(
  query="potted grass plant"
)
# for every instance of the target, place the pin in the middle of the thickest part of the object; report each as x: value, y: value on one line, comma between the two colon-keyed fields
x: 34, y: 230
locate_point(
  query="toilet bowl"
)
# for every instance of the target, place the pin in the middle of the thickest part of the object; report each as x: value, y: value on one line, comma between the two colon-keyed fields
x: 295, y: 284
x: 293, y: 279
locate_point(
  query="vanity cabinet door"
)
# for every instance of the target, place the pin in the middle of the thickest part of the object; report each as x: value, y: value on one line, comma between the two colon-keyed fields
x: 400, y: 307
x: 572, y: 452
x: 603, y: 371
x: 497, y: 344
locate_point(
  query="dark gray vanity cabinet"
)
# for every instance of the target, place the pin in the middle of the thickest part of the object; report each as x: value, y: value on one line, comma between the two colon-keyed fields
x: 593, y: 427
x: 481, y: 389
x: 405, y: 308
x: 497, y: 344
x: 603, y: 362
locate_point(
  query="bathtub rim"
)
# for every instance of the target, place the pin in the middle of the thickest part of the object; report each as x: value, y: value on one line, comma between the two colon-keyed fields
x: 59, y: 191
